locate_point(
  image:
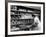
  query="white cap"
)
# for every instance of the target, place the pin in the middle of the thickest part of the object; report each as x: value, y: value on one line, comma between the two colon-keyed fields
x: 36, y: 14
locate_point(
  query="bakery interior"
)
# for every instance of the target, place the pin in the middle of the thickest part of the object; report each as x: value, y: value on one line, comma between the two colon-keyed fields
x: 22, y: 17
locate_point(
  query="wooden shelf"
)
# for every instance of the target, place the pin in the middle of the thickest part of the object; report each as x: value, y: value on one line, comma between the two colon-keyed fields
x: 20, y: 11
x: 16, y: 14
x: 34, y: 12
x: 21, y: 19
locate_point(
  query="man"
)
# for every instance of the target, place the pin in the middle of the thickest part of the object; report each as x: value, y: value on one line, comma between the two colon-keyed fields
x: 37, y: 22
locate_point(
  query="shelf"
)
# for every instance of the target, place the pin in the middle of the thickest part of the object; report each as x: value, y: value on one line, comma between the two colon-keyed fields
x: 19, y: 19
x: 34, y: 12
x: 23, y: 24
x: 20, y: 11
x: 16, y: 14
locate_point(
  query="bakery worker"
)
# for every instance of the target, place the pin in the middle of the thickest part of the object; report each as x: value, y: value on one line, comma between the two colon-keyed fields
x: 37, y: 21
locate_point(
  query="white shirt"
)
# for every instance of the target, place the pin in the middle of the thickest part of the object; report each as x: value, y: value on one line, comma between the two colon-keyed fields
x: 36, y: 20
